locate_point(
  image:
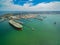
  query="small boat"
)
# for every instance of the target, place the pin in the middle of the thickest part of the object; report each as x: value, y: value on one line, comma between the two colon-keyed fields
x: 15, y: 24
x: 54, y: 22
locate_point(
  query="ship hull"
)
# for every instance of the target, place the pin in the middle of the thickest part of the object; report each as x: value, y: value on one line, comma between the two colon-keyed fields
x: 15, y: 27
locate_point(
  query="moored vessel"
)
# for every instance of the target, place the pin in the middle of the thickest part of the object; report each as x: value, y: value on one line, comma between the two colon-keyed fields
x: 15, y: 24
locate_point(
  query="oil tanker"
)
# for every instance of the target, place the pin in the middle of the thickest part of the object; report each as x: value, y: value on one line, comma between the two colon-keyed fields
x: 15, y: 24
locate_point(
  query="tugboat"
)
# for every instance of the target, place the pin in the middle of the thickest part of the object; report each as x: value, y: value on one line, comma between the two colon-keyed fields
x: 15, y: 24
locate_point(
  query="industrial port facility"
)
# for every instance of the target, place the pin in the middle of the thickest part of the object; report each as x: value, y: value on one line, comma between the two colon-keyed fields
x: 18, y: 25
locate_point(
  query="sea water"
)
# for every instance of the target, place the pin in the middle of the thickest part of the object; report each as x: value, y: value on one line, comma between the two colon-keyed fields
x: 45, y: 32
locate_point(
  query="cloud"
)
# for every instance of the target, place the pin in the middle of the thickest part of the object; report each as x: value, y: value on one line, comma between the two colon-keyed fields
x: 51, y: 6
x: 30, y: 0
x: 8, y: 5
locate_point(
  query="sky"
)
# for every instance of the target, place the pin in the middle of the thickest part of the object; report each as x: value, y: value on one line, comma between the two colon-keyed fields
x: 29, y: 5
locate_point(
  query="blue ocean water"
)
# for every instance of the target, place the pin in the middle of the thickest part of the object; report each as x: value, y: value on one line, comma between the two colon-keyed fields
x: 45, y: 32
